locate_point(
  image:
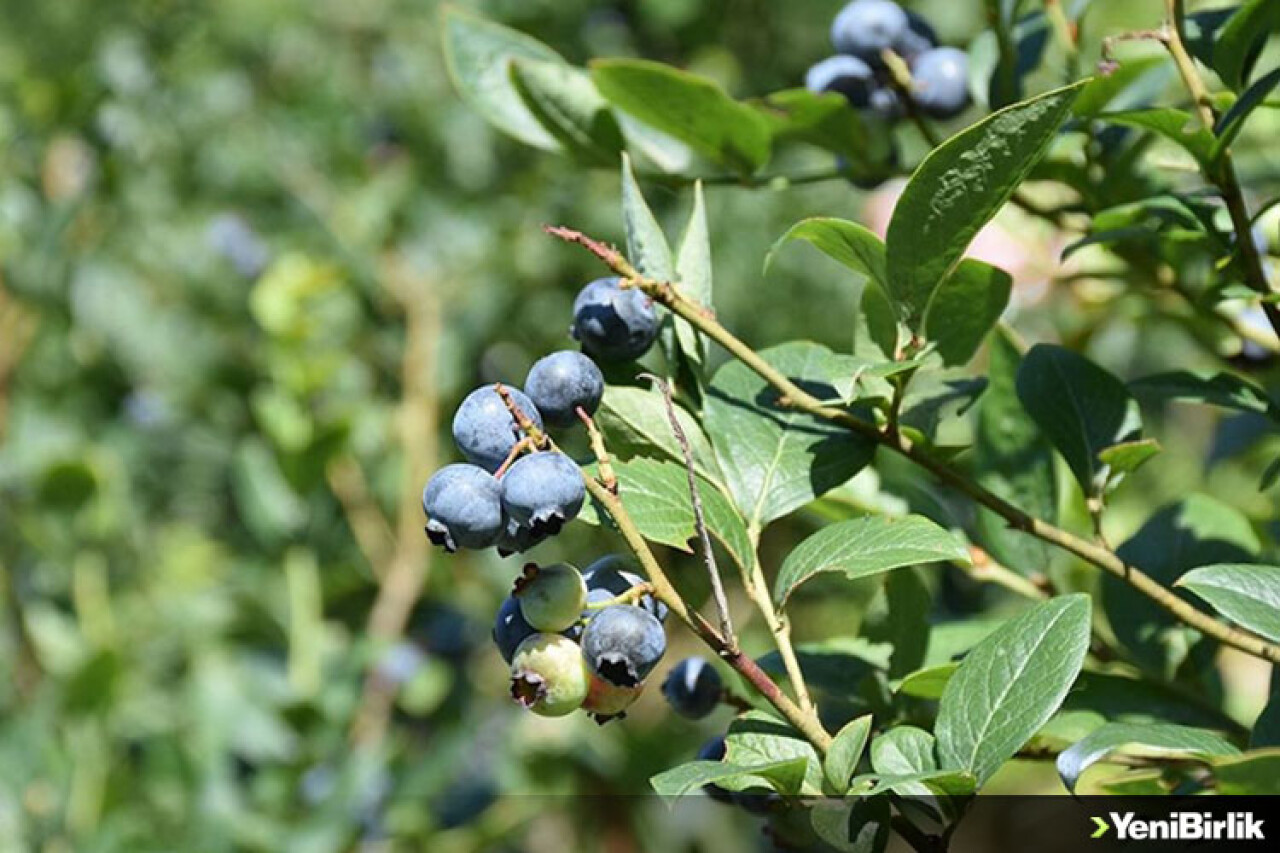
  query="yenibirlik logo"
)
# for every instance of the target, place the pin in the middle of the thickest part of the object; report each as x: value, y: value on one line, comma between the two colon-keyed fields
x: 1182, y: 826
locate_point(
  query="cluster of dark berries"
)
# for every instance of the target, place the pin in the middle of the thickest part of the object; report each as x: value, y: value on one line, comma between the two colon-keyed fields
x: 580, y: 639
x: 863, y: 32
x: 500, y: 497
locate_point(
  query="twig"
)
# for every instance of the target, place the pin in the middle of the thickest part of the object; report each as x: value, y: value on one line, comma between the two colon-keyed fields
x: 798, y: 398
x: 985, y: 570
x: 368, y: 524
x: 407, y: 570
x: 1224, y: 175
x: 699, y: 519
x: 607, y: 477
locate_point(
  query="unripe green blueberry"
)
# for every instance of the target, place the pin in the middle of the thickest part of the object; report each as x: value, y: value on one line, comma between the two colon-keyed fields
x: 551, y: 597
x: 549, y: 676
x: 607, y: 701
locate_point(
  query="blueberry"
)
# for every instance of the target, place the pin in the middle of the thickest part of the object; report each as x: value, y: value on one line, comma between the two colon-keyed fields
x: 916, y: 38
x: 232, y: 238
x: 516, y: 538
x: 542, y: 491
x: 551, y: 597
x: 484, y: 429
x: 549, y: 675
x: 864, y: 28
x: 623, y: 643
x: 613, y: 322
x: 713, y: 750
x: 463, y: 505
x: 940, y: 82
x: 885, y: 103
x: 510, y: 628
x: 693, y: 688
x: 846, y: 75
x: 561, y: 383
x: 607, y: 701
x: 608, y: 578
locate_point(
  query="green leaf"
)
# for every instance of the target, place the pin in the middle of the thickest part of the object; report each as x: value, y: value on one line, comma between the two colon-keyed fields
x: 933, y: 783
x: 864, y: 547
x: 693, y: 276
x: 852, y: 824
x: 566, y: 103
x: 266, y: 502
x: 1240, y: 40
x: 964, y: 308
x: 1197, y: 531
x: 656, y: 496
x: 845, y: 751
x: 958, y: 188
x: 847, y: 242
x: 776, y: 459
x: 757, y: 739
x: 1013, y: 459
x: 1128, y: 456
x: 899, y: 616
x: 1147, y: 740
x: 928, y: 683
x: 1173, y: 124
x: 1011, y: 684
x: 478, y: 54
x: 1255, y: 772
x: 835, y: 666
x: 1080, y: 407
x: 904, y: 750
x: 687, y: 778
x: 1247, y: 595
x: 1103, y: 89
x: 1214, y: 389
x: 690, y: 108
x: 827, y: 121
x: 1126, y: 699
x: 647, y: 247
x: 1230, y: 125
x: 635, y: 422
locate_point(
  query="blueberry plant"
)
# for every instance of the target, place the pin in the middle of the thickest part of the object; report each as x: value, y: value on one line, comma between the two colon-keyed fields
x: 690, y: 434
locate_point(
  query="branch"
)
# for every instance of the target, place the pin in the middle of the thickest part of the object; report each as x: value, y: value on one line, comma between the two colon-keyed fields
x: 796, y: 397
x: 1224, y: 176
x: 699, y: 519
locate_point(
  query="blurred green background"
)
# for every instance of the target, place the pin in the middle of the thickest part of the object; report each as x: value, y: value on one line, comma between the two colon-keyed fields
x: 253, y: 253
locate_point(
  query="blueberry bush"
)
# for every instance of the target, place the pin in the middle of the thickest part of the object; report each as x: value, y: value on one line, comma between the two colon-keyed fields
x: 782, y: 419
x: 939, y: 433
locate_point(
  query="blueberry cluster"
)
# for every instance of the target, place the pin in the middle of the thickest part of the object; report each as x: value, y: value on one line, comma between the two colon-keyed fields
x: 580, y: 639
x: 500, y: 497
x: 863, y: 33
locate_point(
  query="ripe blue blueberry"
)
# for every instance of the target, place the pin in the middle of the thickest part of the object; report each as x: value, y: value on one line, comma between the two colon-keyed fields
x: 918, y: 37
x: 549, y: 676
x: 551, y: 597
x: 516, y: 538
x: 561, y: 383
x: 484, y: 429
x: 510, y: 628
x: 613, y: 322
x: 693, y: 688
x: 940, y: 82
x: 847, y: 75
x: 463, y: 505
x: 885, y: 103
x: 609, y: 578
x: 622, y: 644
x: 864, y: 28
x: 542, y: 491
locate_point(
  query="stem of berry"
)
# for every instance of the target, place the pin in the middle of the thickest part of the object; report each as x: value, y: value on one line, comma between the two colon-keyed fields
x: 699, y: 520
x: 1091, y: 552
x: 519, y: 447
x: 527, y: 426
x: 631, y: 596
